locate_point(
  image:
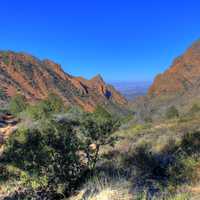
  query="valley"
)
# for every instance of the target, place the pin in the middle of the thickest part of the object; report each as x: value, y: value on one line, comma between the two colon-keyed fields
x: 131, y: 90
x: 65, y: 137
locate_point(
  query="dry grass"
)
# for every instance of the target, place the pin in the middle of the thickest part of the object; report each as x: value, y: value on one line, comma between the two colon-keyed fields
x: 101, y: 189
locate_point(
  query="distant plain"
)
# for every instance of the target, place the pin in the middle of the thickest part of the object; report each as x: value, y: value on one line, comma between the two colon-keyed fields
x: 131, y: 89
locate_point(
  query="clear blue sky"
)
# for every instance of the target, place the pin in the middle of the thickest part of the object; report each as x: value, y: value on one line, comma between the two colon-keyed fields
x: 122, y: 40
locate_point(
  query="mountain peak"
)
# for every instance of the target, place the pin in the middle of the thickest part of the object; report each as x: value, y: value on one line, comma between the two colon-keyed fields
x: 98, y: 78
x: 35, y: 79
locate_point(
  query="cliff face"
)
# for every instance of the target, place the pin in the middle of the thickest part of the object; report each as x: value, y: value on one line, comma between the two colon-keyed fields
x: 35, y: 79
x: 178, y: 86
x: 182, y: 77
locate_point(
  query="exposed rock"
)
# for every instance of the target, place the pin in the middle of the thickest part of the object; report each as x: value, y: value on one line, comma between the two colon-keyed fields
x: 8, y: 125
x: 183, y: 76
x: 178, y: 86
x: 35, y: 79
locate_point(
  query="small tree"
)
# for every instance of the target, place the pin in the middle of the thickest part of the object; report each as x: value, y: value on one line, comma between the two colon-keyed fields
x: 97, y: 133
x: 17, y: 104
x: 172, y: 112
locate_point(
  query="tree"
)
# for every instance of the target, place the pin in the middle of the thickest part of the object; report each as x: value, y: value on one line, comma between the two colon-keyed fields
x: 97, y: 133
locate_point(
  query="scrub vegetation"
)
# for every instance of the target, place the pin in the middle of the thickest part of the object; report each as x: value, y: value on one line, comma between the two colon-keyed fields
x: 65, y: 153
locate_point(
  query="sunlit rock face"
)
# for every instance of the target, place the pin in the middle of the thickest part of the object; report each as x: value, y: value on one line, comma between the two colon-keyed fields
x: 35, y: 79
x: 183, y: 76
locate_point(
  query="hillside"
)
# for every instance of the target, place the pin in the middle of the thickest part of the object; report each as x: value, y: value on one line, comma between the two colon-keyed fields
x: 182, y: 77
x: 158, y: 160
x: 34, y: 78
x: 178, y: 86
x: 47, y: 152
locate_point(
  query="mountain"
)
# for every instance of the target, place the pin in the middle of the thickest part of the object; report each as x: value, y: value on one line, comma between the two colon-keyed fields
x: 131, y: 89
x: 35, y: 79
x: 182, y: 77
x: 178, y: 86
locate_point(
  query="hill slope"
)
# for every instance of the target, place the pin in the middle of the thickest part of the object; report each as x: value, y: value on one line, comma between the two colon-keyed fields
x: 178, y: 86
x: 183, y: 76
x: 34, y: 78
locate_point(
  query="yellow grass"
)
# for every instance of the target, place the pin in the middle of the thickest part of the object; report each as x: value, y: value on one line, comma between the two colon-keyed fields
x: 107, y: 191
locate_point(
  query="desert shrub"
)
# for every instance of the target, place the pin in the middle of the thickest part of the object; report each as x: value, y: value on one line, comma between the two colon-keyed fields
x: 184, y: 158
x: 100, y: 112
x: 169, y: 168
x: 172, y: 112
x: 2, y: 94
x: 148, y: 120
x: 45, y: 108
x: 54, y: 103
x: 181, y: 171
x: 195, y: 108
x: 55, y: 155
x: 37, y: 112
x: 97, y: 133
x: 147, y: 163
x: 191, y: 143
x: 17, y: 104
x: 75, y: 110
x: 51, y: 153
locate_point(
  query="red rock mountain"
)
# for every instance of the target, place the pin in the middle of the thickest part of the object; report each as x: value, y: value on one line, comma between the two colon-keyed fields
x: 182, y: 77
x: 178, y: 86
x: 35, y: 79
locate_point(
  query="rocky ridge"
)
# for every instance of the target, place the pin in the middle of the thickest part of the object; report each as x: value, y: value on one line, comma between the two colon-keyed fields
x: 35, y: 79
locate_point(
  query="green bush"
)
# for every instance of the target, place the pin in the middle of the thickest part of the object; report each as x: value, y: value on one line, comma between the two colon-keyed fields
x: 195, y: 108
x: 97, y: 133
x: 56, y: 154
x: 54, y: 103
x: 2, y: 94
x: 37, y: 112
x: 17, y: 104
x: 43, y: 109
x: 100, y: 112
x: 172, y: 112
x: 51, y: 152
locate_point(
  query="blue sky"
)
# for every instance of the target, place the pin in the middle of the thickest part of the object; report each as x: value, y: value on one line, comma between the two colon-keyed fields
x: 125, y: 40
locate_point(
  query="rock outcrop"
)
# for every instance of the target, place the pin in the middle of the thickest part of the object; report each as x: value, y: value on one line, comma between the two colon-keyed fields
x: 35, y: 79
x: 178, y: 86
x: 182, y: 77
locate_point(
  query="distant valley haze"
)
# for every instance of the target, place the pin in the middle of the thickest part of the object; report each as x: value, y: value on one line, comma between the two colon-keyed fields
x: 131, y: 89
